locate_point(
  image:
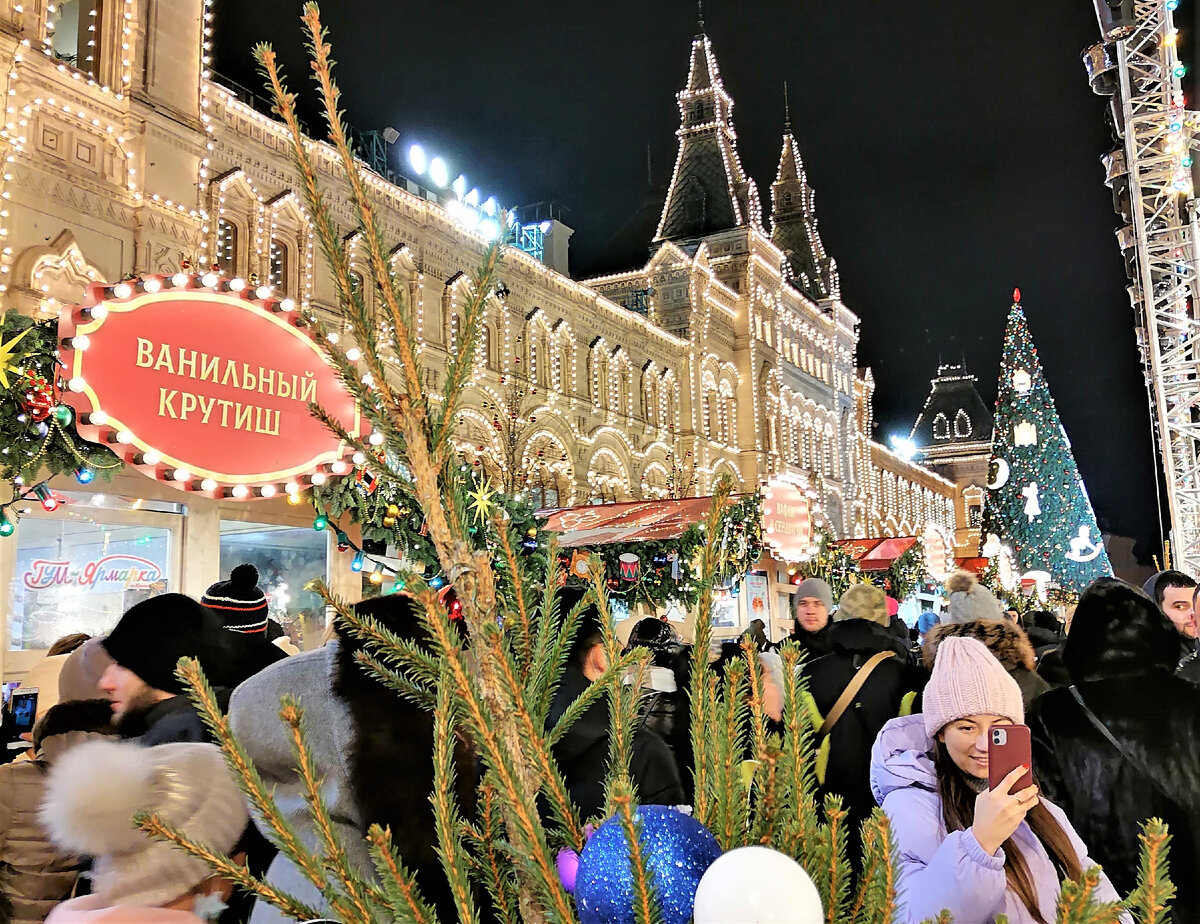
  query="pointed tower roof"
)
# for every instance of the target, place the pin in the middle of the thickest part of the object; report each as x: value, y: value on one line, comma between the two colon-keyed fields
x: 794, y: 222
x: 954, y: 413
x: 709, y: 188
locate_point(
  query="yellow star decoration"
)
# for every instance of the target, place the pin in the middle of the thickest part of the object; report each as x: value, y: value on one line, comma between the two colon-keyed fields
x: 482, y: 501
x: 6, y: 356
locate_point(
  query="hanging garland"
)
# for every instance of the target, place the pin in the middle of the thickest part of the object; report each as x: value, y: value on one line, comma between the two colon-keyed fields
x: 906, y: 573
x: 387, y: 514
x: 37, y: 431
x: 833, y: 565
x: 656, y: 572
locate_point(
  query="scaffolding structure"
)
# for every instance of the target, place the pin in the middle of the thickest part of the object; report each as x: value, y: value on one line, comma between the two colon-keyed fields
x: 1150, y: 175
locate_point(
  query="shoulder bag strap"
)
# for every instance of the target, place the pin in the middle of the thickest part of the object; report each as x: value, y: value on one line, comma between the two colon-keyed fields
x: 1103, y: 729
x: 851, y: 691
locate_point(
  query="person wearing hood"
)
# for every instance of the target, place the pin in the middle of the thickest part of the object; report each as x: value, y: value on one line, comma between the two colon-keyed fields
x: 34, y: 874
x: 968, y: 600
x: 1174, y: 593
x: 811, y: 606
x: 1120, y: 654
x: 1007, y: 643
x: 372, y: 748
x: 583, y: 750
x: 93, y: 793
x: 964, y: 848
x: 864, y: 650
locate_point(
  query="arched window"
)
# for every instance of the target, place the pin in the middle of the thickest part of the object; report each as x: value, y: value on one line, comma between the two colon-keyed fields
x: 227, y: 246
x: 485, y: 347
x: 279, y: 268
x: 941, y: 427
x: 962, y: 424
x: 787, y: 200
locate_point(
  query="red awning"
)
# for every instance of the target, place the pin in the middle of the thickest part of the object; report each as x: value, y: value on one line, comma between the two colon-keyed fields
x: 975, y: 565
x: 875, y: 554
x: 634, y: 521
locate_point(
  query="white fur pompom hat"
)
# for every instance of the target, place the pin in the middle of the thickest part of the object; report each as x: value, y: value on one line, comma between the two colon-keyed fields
x: 94, y: 791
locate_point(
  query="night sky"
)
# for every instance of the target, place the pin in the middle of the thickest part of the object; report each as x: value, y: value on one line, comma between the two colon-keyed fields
x: 954, y: 148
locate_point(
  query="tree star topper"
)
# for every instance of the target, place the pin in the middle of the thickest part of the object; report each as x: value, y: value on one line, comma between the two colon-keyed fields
x: 482, y: 501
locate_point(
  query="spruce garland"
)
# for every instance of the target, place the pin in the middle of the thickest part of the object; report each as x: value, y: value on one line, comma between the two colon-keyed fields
x: 44, y: 439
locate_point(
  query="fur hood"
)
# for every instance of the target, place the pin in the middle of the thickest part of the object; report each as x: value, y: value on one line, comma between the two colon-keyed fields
x: 389, y: 756
x: 1007, y: 642
x: 1118, y: 632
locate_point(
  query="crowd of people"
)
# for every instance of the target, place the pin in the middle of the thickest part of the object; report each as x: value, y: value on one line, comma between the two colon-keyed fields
x: 900, y: 719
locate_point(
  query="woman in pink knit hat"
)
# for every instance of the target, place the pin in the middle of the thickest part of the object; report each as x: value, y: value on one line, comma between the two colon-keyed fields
x: 965, y: 848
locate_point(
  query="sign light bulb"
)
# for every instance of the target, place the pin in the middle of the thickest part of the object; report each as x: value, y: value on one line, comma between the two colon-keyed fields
x: 318, y: 478
x: 97, y: 312
x: 287, y: 305
x: 268, y: 490
x: 122, y: 290
x: 359, y: 458
x: 124, y: 437
x: 182, y: 474
x: 179, y: 280
x: 262, y: 292
x: 77, y: 384
x: 236, y: 285
x: 208, y: 485
x: 80, y: 342
x: 338, y: 468
x: 150, y: 457
x: 376, y: 439
x: 152, y: 285
x: 209, y: 280
x: 240, y: 491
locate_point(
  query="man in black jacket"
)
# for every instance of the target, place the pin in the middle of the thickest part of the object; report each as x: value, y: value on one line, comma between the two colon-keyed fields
x: 1121, y: 654
x: 861, y: 630
x: 583, y: 752
x: 149, y: 702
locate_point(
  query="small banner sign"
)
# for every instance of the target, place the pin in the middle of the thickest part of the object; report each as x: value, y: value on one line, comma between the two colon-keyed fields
x: 787, y: 521
x: 205, y: 383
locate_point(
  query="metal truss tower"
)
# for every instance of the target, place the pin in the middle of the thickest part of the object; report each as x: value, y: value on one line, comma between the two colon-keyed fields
x: 1151, y: 179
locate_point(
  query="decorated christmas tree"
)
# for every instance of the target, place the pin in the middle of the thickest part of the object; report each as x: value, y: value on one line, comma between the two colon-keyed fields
x: 1036, y: 501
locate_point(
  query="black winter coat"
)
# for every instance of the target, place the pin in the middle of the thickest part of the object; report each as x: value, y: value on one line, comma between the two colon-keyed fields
x: 582, y: 753
x: 852, y: 643
x: 814, y: 644
x: 1120, y: 653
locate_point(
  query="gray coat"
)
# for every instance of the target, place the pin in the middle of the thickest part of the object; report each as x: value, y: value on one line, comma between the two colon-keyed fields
x: 254, y: 715
x: 34, y: 874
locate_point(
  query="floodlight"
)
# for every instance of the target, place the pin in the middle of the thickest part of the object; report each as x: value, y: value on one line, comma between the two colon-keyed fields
x: 417, y: 159
x: 439, y: 173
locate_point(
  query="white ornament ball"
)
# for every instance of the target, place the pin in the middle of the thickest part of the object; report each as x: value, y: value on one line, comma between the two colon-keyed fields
x: 757, y: 885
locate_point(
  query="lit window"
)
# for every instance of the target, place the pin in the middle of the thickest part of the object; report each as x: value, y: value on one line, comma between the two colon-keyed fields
x: 279, y: 266
x: 227, y: 246
x: 71, y: 33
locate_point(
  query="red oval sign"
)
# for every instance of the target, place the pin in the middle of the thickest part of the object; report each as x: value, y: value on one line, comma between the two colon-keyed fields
x: 787, y: 521
x: 202, y: 385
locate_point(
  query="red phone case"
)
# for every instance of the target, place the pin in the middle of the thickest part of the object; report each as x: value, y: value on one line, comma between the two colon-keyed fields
x: 1009, y: 748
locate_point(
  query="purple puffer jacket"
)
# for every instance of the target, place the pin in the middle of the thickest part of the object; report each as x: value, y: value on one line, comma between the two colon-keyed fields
x: 950, y: 871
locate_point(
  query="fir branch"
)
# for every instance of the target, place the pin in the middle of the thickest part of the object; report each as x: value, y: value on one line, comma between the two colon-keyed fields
x: 445, y: 808
x: 833, y: 882
x: 1155, y: 890
x: 1077, y: 902
x: 555, y: 639
x: 392, y: 679
x: 755, y: 681
x: 335, y: 861
x: 646, y: 907
x: 159, y: 828
x: 523, y: 641
x: 497, y: 879
x: 401, y: 895
x: 261, y: 800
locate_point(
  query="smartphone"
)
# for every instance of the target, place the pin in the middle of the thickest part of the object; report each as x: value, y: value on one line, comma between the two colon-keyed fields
x: 23, y: 706
x: 1009, y: 748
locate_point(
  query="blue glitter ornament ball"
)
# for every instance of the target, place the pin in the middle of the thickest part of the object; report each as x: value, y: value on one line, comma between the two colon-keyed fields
x: 678, y: 850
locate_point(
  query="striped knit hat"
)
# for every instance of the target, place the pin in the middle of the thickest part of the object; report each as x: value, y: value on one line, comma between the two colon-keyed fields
x: 239, y: 602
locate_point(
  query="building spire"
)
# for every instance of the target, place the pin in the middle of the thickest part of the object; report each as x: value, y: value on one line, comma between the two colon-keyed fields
x: 709, y: 190
x: 794, y: 222
x: 699, y: 17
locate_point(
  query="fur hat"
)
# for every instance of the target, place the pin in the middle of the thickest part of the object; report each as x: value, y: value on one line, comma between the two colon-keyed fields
x: 95, y: 789
x: 1118, y: 632
x: 239, y: 603
x: 80, y: 675
x: 863, y: 601
x: 1007, y: 642
x: 968, y: 680
x: 154, y: 634
x: 969, y: 599
x: 813, y: 587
